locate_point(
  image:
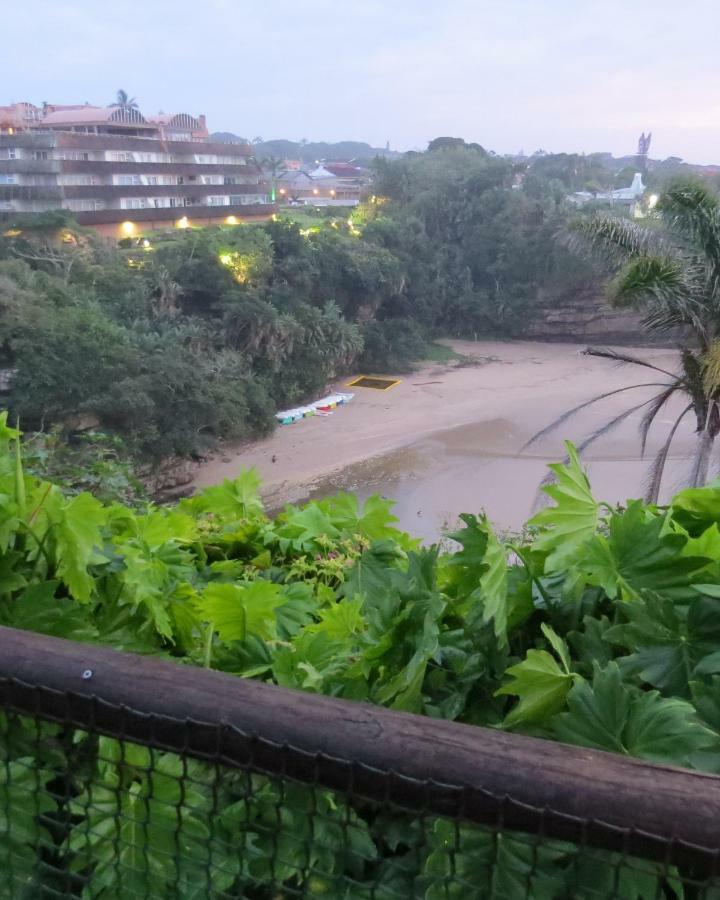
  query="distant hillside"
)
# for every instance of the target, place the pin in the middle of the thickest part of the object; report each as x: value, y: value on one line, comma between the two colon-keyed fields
x: 310, y: 151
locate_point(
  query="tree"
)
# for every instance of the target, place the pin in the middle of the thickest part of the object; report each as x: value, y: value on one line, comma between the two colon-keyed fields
x: 673, y: 277
x: 124, y: 101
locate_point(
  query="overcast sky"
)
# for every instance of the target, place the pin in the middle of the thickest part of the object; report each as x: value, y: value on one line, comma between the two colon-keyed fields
x: 561, y: 75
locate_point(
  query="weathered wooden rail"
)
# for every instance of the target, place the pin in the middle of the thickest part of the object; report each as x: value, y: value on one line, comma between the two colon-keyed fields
x: 426, y: 765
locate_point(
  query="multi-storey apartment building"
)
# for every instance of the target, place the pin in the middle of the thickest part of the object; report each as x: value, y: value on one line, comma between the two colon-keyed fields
x: 121, y: 172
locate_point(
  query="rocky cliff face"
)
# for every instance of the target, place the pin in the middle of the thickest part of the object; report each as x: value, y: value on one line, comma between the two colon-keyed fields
x: 587, y: 317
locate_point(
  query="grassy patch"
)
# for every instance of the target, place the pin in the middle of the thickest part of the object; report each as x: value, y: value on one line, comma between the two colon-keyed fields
x: 442, y: 354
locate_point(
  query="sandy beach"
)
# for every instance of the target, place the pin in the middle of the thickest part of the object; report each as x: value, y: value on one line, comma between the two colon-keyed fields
x: 448, y: 437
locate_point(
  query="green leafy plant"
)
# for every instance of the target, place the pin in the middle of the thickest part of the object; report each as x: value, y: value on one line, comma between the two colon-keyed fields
x: 603, y: 634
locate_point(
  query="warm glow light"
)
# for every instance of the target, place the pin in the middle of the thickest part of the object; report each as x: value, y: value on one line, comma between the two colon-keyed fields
x: 316, y: 191
x: 12, y: 232
x: 146, y: 244
x: 231, y: 220
x: 332, y: 193
x: 226, y: 259
x: 652, y: 201
x: 282, y: 190
x: 182, y: 223
x: 128, y: 228
x: 11, y: 131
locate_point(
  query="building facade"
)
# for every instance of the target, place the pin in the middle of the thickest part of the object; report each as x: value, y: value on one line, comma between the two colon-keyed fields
x: 121, y: 172
x: 339, y: 184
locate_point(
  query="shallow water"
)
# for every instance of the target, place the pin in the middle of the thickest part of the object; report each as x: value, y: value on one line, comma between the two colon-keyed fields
x: 471, y: 469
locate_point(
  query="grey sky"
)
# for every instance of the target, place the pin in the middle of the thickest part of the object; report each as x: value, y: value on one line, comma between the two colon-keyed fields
x: 557, y: 74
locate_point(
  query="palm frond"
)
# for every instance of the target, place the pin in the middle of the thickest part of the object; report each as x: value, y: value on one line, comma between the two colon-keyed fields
x: 690, y: 208
x: 556, y: 423
x: 649, y: 417
x: 651, y: 279
x: 597, y: 434
x: 711, y: 369
x: 657, y: 470
x: 624, y: 358
x: 611, y: 238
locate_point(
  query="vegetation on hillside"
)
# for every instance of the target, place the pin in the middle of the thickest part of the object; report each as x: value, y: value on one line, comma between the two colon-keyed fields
x: 599, y: 628
x: 176, y: 340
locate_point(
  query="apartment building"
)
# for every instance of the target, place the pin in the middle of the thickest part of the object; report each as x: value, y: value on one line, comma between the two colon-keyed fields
x: 121, y: 172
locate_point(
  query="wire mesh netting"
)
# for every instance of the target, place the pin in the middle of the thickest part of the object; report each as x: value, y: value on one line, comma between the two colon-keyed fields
x: 88, y: 815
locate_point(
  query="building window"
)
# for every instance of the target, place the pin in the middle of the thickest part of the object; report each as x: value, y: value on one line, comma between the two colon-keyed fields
x: 40, y: 154
x: 129, y: 179
x: 218, y: 201
x: 152, y: 179
x: 8, y: 179
x: 13, y: 153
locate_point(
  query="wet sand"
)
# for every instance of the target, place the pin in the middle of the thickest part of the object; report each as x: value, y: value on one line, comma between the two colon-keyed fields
x: 447, y: 439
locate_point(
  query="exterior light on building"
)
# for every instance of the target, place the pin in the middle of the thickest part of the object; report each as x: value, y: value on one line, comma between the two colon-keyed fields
x: 652, y: 201
x: 11, y: 131
x: 226, y: 259
x: 128, y: 228
x: 146, y: 244
x: 282, y: 190
x: 231, y: 220
x: 316, y: 191
x: 332, y: 193
x: 182, y: 223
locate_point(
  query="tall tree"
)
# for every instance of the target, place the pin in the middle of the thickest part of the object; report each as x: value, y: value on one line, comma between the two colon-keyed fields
x: 673, y: 276
x: 124, y: 100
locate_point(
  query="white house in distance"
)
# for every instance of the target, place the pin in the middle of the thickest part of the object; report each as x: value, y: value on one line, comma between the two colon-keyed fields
x: 628, y: 196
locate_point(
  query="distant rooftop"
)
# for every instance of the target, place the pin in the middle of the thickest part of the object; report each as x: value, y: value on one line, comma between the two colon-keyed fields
x: 115, y: 119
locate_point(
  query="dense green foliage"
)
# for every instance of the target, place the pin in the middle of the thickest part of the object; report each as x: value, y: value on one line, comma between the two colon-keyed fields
x: 202, y: 334
x: 600, y: 628
x: 477, y: 245
x: 207, y: 332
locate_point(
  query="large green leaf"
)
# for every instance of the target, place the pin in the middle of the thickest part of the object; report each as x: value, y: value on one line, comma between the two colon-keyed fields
x: 373, y: 519
x: 470, y: 862
x: 667, y: 642
x: 611, y: 715
x: 308, y: 528
x: 493, y: 588
x: 239, y: 610
x: 637, y: 555
x: 231, y: 500
x: 143, y: 811
x: 697, y: 509
x: 573, y: 520
x: 465, y: 566
x: 540, y: 683
x: 76, y: 534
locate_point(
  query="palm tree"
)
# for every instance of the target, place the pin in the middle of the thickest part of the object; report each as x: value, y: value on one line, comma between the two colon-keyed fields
x: 273, y: 167
x: 672, y: 275
x: 124, y: 100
